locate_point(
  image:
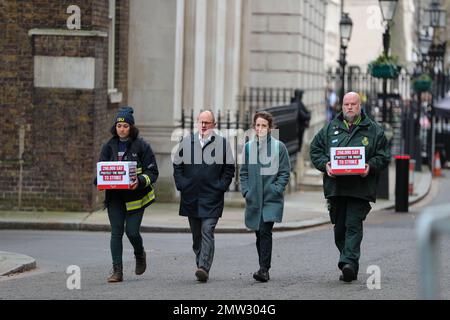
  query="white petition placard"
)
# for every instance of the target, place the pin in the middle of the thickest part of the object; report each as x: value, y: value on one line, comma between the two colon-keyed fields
x: 115, y: 174
x: 347, y: 160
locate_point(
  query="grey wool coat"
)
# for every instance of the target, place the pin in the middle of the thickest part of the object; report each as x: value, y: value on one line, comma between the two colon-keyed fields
x: 264, y: 175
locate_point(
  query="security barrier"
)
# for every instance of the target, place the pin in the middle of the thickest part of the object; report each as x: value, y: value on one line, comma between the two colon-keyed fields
x: 432, y: 223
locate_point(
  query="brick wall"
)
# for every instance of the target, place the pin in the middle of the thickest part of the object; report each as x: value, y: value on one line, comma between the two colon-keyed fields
x: 121, y: 50
x: 64, y: 128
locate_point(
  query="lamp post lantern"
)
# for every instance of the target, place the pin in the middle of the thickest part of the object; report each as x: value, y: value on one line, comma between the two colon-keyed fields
x: 435, y: 15
x: 388, y: 8
x: 424, y: 45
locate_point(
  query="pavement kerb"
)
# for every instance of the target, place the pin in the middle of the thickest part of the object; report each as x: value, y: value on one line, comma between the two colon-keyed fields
x: 71, y: 226
x: 56, y: 226
x: 11, y: 263
x: 412, y: 201
x: 102, y: 227
x: 20, y: 263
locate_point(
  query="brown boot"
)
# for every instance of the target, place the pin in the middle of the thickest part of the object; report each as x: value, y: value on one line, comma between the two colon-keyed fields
x: 117, y: 273
x: 141, y: 264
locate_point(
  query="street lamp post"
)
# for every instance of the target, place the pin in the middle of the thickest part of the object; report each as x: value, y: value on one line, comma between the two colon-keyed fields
x: 436, y: 17
x: 424, y: 46
x: 345, y: 28
x: 388, y: 8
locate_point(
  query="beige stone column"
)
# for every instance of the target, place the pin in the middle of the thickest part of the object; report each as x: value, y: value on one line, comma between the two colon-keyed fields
x: 210, y: 52
x: 219, y: 64
x: 200, y: 55
x: 188, y: 55
x: 246, y: 28
x: 232, y: 58
x: 156, y: 35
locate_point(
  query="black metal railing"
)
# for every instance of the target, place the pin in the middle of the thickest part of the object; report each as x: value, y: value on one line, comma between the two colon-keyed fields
x: 410, y: 134
x: 277, y: 101
x: 254, y: 98
x: 371, y: 91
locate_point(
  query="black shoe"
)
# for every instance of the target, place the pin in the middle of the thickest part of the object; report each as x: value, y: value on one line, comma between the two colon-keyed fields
x: 341, y: 278
x: 261, y: 275
x: 141, y: 263
x: 201, y: 275
x: 348, y: 273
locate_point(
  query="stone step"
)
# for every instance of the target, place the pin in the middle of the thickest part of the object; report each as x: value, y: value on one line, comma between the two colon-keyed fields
x: 311, y: 181
x: 310, y: 187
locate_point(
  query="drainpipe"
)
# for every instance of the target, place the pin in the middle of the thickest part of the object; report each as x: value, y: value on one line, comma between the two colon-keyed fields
x: 21, y: 150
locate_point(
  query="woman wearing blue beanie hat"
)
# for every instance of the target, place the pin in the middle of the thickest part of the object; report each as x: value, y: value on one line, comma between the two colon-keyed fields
x: 126, y: 207
x: 125, y: 114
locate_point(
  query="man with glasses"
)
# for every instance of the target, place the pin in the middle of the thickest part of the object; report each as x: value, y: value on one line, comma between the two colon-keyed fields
x: 203, y: 170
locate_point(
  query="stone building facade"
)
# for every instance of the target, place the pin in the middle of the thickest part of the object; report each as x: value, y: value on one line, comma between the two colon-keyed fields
x: 182, y: 54
x: 287, y: 49
x: 61, y: 84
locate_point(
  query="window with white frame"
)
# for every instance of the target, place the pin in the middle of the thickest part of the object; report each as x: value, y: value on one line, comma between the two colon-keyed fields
x: 114, y: 95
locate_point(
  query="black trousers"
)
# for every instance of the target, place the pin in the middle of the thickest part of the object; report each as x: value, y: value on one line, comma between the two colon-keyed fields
x: 347, y: 214
x: 264, y: 244
x: 121, y: 221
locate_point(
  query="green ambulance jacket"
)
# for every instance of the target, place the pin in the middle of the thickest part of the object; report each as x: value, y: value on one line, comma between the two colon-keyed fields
x: 367, y: 133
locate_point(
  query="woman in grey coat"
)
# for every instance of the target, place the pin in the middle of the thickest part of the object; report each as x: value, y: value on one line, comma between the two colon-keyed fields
x: 264, y: 175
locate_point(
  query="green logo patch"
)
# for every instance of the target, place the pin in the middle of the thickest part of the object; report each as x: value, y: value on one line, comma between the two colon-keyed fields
x: 365, y: 141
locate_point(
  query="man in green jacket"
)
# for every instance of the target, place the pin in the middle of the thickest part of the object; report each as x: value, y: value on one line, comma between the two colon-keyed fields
x: 349, y: 195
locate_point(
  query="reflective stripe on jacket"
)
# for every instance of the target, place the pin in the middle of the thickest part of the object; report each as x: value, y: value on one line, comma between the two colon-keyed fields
x: 147, y: 172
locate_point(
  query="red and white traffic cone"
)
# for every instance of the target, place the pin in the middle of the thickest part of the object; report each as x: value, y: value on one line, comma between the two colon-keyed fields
x: 437, y: 165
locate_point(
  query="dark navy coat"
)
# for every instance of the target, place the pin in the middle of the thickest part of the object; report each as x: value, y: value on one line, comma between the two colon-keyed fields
x: 203, y: 175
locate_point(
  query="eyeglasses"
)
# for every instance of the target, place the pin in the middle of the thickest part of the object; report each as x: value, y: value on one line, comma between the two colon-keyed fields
x: 206, y: 123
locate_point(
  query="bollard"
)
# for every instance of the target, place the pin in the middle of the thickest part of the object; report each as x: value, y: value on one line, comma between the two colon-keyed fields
x: 412, y: 166
x: 401, y: 182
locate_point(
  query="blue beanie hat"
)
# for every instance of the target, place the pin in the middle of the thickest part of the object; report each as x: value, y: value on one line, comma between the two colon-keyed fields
x: 125, y: 114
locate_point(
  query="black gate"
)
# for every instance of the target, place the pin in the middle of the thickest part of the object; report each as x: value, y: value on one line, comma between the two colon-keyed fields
x: 277, y: 101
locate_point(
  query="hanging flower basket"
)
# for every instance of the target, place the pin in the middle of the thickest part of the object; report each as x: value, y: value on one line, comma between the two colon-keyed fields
x: 386, y: 71
x: 422, y: 83
x: 385, y: 67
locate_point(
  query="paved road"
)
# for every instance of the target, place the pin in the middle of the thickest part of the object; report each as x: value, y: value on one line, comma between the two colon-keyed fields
x: 304, y: 264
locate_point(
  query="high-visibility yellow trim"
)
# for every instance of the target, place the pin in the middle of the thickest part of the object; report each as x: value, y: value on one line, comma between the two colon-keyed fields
x: 138, y: 204
x: 138, y: 170
x: 147, y: 180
